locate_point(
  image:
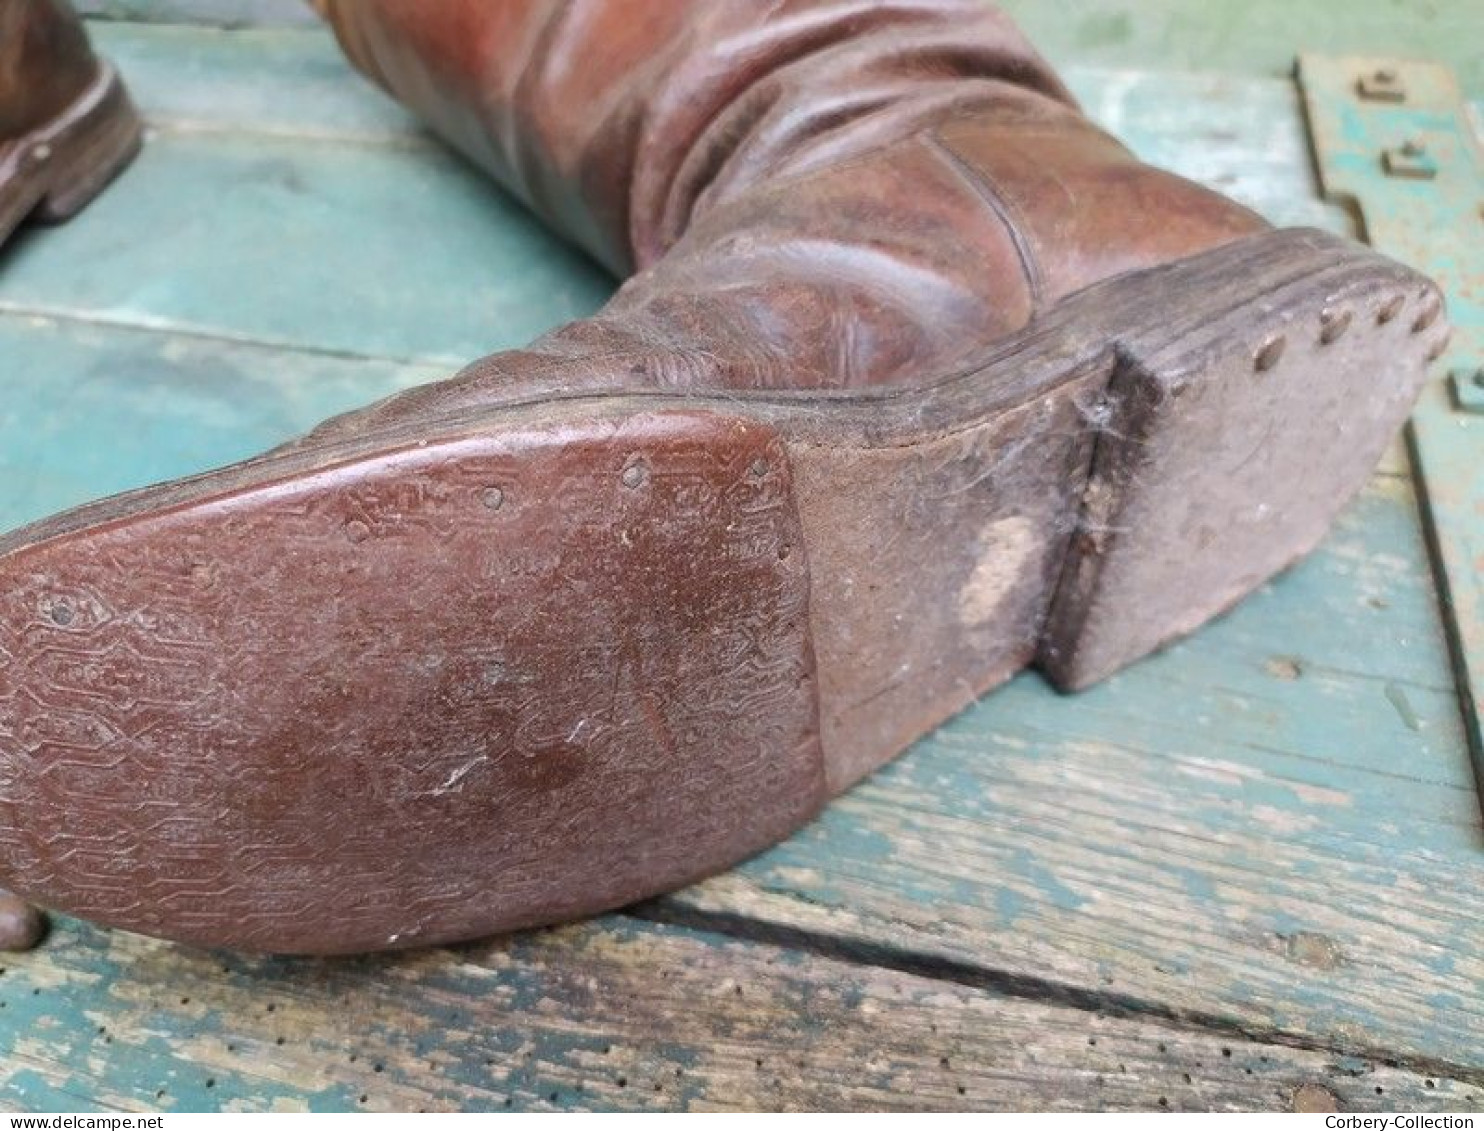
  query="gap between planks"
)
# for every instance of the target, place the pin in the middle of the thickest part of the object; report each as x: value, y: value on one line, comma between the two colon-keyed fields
x: 437, y: 367
x: 615, y: 1014
x: 876, y: 954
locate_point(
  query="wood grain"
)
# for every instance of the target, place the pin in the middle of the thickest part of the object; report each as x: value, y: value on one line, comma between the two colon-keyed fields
x: 611, y: 1015
x: 1273, y: 823
x: 89, y: 409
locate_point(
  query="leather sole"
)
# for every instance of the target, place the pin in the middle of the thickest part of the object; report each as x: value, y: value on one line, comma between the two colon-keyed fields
x: 529, y: 665
x: 55, y: 171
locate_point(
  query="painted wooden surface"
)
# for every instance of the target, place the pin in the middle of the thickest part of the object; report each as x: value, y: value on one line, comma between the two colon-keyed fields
x: 1265, y: 841
x: 1254, y: 36
x: 1247, y: 36
x: 620, y: 1014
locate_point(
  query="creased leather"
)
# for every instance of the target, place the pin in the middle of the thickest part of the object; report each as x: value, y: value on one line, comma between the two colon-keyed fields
x: 808, y: 193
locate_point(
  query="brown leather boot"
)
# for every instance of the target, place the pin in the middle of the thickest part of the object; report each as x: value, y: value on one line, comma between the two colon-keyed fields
x: 918, y: 378
x: 66, y: 124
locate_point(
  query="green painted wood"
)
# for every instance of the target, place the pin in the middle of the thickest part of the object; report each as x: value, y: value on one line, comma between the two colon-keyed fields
x: 1436, y: 221
x: 612, y: 1015
x: 263, y: 81
x: 1271, y: 824
x: 352, y: 249
x: 211, y: 13
x: 88, y: 409
x: 1253, y: 36
x: 1269, y: 829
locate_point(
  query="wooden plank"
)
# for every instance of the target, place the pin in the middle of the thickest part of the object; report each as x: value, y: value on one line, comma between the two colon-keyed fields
x: 211, y: 13
x: 610, y: 1015
x: 1432, y: 223
x: 1271, y: 827
x: 1241, y: 136
x: 285, y: 82
x: 1253, y: 36
x: 352, y: 249
x: 87, y: 409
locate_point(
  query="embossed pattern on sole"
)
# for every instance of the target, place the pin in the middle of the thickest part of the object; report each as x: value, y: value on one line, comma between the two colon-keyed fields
x: 491, y: 682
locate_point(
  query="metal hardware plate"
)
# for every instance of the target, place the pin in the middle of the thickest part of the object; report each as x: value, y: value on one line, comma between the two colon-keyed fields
x: 1394, y: 137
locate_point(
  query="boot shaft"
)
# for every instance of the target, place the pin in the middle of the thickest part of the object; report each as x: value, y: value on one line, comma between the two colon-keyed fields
x: 624, y: 122
x: 619, y: 120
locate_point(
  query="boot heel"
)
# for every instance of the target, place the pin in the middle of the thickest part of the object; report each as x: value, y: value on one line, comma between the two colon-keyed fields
x: 1231, y: 433
x: 78, y: 153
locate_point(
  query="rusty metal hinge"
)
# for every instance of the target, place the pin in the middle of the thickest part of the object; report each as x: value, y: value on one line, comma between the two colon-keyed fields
x: 1395, y: 138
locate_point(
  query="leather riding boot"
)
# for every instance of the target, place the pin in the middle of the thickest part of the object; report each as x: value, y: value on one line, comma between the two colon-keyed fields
x: 66, y: 124
x: 917, y: 378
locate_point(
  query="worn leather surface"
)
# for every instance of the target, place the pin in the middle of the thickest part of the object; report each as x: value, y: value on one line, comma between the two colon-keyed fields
x: 811, y: 193
x: 45, y: 62
x: 470, y: 672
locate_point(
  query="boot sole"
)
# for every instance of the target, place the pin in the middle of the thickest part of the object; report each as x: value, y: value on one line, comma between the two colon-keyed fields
x: 55, y: 171
x: 519, y: 668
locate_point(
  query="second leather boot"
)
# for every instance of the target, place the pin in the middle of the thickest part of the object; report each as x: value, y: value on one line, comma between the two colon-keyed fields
x: 66, y: 124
